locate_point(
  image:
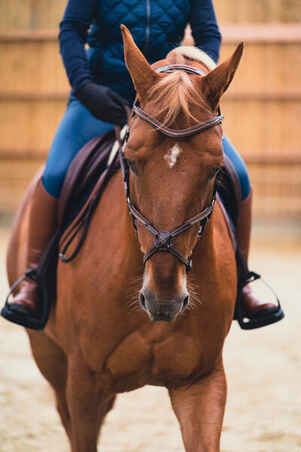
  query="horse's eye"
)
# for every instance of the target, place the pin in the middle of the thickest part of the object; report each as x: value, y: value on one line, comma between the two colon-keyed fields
x: 213, y: 172
x: 132, y: 166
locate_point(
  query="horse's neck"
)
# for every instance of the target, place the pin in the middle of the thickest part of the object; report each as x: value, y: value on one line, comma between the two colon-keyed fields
x: 205, y: 249
x: 113, y: 219
x: 215, y: 245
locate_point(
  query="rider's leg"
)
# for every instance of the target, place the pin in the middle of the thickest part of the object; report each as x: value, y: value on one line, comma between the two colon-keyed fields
x: 77, y: 127
x: 42, y: 223
x: 251, y: 305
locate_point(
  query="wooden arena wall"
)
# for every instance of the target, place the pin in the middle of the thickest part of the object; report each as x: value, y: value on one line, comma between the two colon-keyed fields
x: 16, y: 15
x: 262, y: 109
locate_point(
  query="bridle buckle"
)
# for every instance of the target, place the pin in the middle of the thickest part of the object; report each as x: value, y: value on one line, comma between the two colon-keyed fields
x: 163, y: 240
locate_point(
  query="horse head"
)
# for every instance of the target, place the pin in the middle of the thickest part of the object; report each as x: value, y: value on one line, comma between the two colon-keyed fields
x: 172, y: 175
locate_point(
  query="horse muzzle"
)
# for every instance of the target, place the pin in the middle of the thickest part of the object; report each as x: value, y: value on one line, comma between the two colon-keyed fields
x: 162, y: 310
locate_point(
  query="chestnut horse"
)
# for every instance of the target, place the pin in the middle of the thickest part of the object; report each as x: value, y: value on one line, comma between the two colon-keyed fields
x: 120, y: 323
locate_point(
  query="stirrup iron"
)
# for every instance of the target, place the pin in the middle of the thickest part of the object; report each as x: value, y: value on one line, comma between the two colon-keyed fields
x: 24, y: 319
x: 266, y: 317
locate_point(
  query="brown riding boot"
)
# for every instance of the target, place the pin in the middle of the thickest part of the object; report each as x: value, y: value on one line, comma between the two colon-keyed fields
x: 42, y: 224
x: 251, y: 306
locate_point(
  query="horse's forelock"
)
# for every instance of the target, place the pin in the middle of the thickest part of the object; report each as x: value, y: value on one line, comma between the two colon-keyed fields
x: 176, y: 93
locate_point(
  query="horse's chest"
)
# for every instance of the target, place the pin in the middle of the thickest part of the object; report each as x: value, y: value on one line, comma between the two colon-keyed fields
x: 138, y: 361
x: 176, y: 359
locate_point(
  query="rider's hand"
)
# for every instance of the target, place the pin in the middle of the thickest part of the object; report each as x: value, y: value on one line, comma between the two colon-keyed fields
x: 103, y: 103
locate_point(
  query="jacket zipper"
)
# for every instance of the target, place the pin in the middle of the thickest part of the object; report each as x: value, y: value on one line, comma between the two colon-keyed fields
x: 147, y: 30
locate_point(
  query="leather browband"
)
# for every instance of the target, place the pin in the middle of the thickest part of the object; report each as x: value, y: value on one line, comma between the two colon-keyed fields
x: 180, y: 133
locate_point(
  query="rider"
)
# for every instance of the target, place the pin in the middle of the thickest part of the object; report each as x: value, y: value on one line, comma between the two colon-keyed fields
x: 101, y: 86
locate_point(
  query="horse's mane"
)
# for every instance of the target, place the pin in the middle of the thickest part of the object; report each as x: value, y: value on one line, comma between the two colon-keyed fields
x: 176, y: 93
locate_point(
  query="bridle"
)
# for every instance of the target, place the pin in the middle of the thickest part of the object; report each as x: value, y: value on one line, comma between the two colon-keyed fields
x: 164, y: 239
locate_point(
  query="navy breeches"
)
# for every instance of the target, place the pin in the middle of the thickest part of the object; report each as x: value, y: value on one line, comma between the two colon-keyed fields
x: 79, y: 126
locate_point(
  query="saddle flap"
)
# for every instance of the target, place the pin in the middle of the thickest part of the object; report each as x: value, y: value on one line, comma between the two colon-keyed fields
x: 229, y: 191
x: 82, y: 175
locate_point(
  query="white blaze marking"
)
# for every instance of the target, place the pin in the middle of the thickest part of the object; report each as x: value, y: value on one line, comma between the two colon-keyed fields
x: 172, y: 156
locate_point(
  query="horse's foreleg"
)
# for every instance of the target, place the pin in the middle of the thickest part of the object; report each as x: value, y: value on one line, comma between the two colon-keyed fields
x: 52, y: 362
x: 87, y: 406
x: 199, y: 408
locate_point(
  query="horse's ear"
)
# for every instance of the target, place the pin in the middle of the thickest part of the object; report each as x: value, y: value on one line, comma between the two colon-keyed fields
x: 142, y: 74
x: 218, y: 80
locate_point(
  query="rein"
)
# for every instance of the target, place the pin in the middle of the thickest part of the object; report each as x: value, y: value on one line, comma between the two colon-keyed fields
x: 164, y: 239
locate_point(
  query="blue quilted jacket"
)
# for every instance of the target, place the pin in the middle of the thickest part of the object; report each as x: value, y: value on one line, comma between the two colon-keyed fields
x: 157, y: 27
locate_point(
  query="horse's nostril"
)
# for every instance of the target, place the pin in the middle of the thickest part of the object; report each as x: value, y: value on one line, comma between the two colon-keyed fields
x: 142, y: 300
x: 185, y: 302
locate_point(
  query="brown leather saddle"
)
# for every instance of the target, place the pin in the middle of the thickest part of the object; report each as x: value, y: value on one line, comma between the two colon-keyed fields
x: 85, y: 172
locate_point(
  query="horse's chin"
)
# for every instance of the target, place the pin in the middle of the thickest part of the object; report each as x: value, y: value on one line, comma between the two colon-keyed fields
x: 164, y: 313
x: 163, y: 317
